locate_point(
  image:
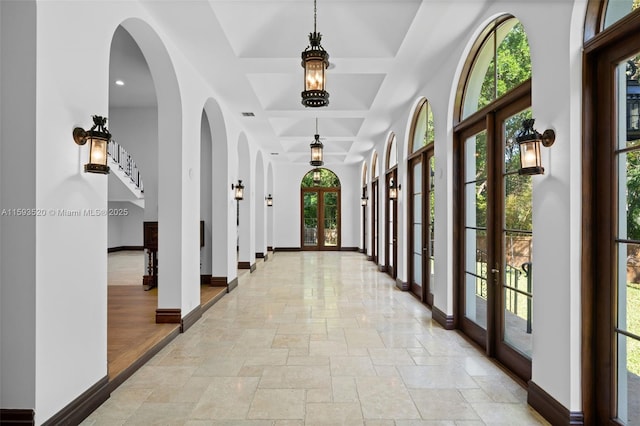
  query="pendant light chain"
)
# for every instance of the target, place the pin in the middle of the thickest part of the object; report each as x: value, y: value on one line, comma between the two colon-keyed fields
x: 314, y: 16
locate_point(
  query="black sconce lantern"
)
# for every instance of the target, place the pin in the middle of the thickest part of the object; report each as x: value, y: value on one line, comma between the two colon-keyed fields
x: 315, y: 60
x: 364, y: 200
x: 239, y: 190
x: 529, y: 141
x: 98, y: 137
x: 316, y: 176
x: 269, y: 199
x: 393, y: 190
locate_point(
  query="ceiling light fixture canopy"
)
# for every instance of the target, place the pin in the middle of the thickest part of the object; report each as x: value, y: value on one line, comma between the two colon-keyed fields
x: 315, y: 60
x: 316, y: 149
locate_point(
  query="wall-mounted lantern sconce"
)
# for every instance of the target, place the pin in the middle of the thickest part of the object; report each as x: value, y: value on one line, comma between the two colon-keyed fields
x: 239, y: 190
x: 269, y: 200
x: 98, y: 137
x: 364, y: 200
x: 529, y: 141
x: 316, y: 176
x: 393, y: 190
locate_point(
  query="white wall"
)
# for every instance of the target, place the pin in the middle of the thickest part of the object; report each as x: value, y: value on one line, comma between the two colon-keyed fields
x: 286, y: 204
x: 125, y: 228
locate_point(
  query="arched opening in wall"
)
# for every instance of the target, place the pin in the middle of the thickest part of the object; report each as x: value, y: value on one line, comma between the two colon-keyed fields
x: 221, y: 247
x: 365, y: 204
x: 375, y: 209
x: 210, y: 286
x: 392, y: 187
x: 320, y: 210
x: 245, y: 224
x: 493, y: 265
x: 611, y: 179
x: 261, y: 206
x: 421, y: 204
x: 138, y: 122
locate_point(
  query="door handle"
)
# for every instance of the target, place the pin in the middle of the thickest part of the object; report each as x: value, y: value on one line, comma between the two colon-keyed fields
x: 496, y: 270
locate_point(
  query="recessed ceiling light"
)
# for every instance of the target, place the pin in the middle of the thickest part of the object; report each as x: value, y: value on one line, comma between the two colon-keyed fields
x: 275, y: 153
x: 119, y: 83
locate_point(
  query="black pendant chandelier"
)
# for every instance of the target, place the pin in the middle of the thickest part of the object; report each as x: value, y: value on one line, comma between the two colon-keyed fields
x: 315, y: 60
x: 317, y: 157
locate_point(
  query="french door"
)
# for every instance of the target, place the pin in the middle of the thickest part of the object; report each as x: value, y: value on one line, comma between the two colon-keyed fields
x: 495, y: 267
x: 421, y: 222
x: 391, y: 225
x: 364, y: 220
x: 374, y: 221
x: 616, y: 232
x: 320, y: 218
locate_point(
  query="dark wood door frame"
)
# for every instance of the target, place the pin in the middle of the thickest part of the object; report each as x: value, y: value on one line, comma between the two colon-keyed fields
x: 488, y: 118
x: 391, y: 229
x: 374, y: 221
x: 320, y: 236
x: 599, y: 219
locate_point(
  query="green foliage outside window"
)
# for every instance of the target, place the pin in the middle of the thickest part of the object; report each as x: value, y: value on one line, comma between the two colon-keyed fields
x: 328, y: 179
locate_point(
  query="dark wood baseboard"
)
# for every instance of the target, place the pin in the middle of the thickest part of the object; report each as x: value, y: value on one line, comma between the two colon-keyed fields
x: 269, y: 248
x: 232, y: 284
x: 402, y: 285
x: 190, y: 318
x: 382, y: 268
x: 348, y: 248
x: 286, y: 249
x: 124, y: 248
x: 266, y: 256
x: 446, y: 321
x: 218, y: 282
x: 370, y: 258
x: 247, y: 265
x: 17, y: 416
x: 259, y: 255
x: 168, y: 316
x: 360, y: 250
x: 205, y: 279
x: 78, y: 409
x: 549, y: 408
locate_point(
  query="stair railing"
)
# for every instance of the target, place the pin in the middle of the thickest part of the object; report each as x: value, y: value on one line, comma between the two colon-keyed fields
x: 125, y: 163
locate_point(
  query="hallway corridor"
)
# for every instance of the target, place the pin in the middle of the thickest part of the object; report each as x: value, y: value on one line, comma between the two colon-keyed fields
x: 317, y: 338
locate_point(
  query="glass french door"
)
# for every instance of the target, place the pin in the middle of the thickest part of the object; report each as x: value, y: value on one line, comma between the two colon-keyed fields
x: 320, y: 219
x: 374, y: 221
x: 496, y: 296
x: 391, y: 226
x: 364, y: 221
x: 421, y: 221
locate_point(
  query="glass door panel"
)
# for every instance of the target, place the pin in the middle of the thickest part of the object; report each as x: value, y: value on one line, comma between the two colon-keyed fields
x: 310, y: 212
x: 517, y: 294
x: 417, y: 228
x: 330, y: 202
x: 475, y: 229
x: 627, y: 241
x: 431, y: 229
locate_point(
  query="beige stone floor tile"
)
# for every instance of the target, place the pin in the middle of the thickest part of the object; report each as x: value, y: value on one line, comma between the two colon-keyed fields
x: 277, y: 404
x: 385, y: 398
x: 442, y: 404
x: 317, y: 338
x: 333, y: 413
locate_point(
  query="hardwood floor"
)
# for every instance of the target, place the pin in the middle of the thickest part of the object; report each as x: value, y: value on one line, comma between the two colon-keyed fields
x: 132, y: 333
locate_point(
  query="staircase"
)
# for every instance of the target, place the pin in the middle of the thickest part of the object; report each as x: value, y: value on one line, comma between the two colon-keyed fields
x: 125, y: 182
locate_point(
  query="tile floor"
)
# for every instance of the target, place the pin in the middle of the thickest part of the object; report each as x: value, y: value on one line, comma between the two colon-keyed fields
x: 317, y: 338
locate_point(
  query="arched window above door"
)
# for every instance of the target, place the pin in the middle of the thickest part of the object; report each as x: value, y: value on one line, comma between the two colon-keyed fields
x: 374, y: 166
x: 364, y: 174
x: 422, y: 132
x: 328, y: 179
x: 504, y: 43
x: 618, y: 9
x: 392, y: 152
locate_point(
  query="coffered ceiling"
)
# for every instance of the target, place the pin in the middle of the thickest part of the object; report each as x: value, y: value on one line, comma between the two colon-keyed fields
x: 249, y: 52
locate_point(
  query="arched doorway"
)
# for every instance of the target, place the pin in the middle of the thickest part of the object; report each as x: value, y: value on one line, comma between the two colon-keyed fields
x: 494, y: 221
x: 320, y: 210
x: 391, y: 208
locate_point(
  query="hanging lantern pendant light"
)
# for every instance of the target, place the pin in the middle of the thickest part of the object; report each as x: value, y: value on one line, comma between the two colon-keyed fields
x: 315, y: 60
x: 317, y: 157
